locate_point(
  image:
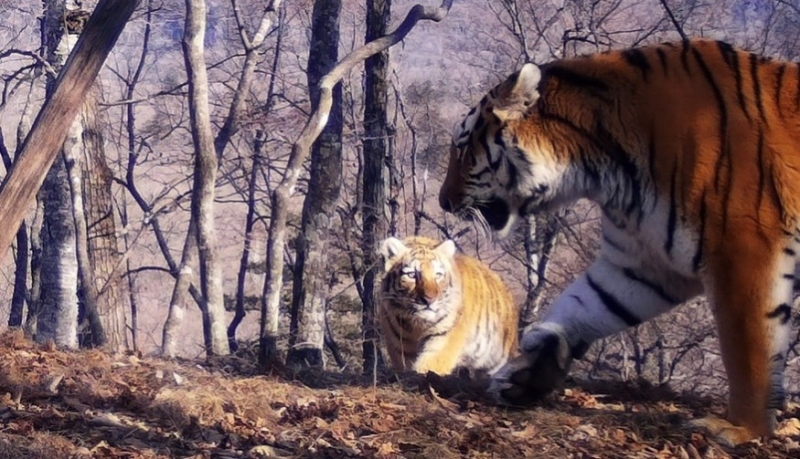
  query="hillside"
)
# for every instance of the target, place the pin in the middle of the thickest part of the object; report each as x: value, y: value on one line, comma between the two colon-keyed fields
x: 72, y: 405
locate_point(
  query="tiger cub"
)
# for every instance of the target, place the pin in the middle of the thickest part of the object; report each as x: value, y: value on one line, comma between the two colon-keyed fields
x: 441, y: 310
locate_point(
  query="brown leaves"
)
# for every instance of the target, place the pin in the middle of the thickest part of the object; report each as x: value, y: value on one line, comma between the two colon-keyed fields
x: 126, y: 407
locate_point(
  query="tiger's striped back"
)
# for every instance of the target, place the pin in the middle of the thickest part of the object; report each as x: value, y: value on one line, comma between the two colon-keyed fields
x: 441, y: 310
x: 692, y: 152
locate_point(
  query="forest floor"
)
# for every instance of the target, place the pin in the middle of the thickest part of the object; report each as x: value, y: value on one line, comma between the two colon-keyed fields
x: 56, y: 404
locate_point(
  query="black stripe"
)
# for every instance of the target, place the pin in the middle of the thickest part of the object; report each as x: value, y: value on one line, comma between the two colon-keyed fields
x: 612, y: 304
x: 513, y: 175
x: 778, y: 85
x: 756, y: 85
x: 760, y: 164
x: 480, y: 173
x: 636, y: 58
x: 797, y: 89
x: 789, y: 276
x: 672, y: 219
x: 478, y: 124
x: 615, y: 245
x: 651, y: 156
x: 784, y: 311
x: 429, y: 337
x: 662, y: 57
x: 731, y: 57
x: 686, y: 45
x: 789, y: 251
x: 723, y: 115
x: 573, y: 78
x: 492, y: 163
x: 579, y: 300
x: 613, y: 146
x: 698, y: 255
x: 498, y: 138
x: 658, y: 289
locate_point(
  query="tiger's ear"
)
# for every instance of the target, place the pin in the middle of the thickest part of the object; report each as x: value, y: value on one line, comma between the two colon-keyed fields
x: 391, y: 249
x: 518, y: 93
x: 447, y: 248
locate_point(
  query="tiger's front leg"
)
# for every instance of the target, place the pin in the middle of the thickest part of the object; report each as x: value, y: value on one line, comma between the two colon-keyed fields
x: 610, y: 297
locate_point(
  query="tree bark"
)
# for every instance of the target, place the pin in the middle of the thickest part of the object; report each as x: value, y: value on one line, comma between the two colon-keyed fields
x: 92, y: 333
x: 310, y: 286
x: 244, y: 260
x: 53, y: 122
x: 205, y: 172
x: 58, y: 307
x: 539, y: 241
x: 231, y: 125
x: 279, y: 198
x: 375, y: 174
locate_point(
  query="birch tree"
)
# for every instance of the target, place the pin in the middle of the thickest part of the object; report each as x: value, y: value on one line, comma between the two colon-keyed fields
x: 311, y: 276
x: 205, y: 172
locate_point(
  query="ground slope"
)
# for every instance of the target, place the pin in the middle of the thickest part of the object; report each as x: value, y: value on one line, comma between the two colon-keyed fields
x: 56, y: 404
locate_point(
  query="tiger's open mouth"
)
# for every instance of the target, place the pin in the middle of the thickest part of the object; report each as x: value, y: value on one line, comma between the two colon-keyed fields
x: 496, y: 212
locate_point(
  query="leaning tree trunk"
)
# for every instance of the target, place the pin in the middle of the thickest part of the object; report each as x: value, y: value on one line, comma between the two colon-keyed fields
x: 205, y: 173
x: 375, y: 173
x: 51, y: 126
x: 311, y: 273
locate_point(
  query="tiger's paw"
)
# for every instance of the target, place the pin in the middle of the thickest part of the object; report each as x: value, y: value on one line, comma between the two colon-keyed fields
x: 722, y: 431
x: 542, y: 367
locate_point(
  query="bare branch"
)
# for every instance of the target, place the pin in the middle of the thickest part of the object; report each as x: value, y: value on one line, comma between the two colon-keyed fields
x: 675, y: 22
x: 51, y: 126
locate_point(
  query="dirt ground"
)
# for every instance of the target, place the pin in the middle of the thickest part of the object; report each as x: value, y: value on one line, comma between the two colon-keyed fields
x: 56, y: 404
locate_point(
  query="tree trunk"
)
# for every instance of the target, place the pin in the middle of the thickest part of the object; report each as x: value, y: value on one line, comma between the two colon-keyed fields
x: 103, y: 249
x: 92, y: 333
x: 375, y: 173
x: 231, y: 125
x: 21, y: 255
x: 35, y: 300
x: 539, y: 240
x: 205, y: 172
x: 51, y: 126
x: 279, y: 199
x: 172, y: 331
x: 244, y: 260
x: 58, y: 307
x: 311, y: 274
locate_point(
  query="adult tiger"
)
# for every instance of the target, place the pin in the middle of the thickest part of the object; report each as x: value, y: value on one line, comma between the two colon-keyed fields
x: 692, y: 152
x: 441, y: 310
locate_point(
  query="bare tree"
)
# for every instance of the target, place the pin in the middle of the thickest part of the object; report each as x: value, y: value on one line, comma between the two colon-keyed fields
x: 52, y: 124
x: 373, y: 212
x: 311, y: 278
x: 205, y: 173
x: 279, y: 198
x: 103, y: 282
x: 61, y: 242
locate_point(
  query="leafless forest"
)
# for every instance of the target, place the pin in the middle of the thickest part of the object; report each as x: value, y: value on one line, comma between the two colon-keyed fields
x: 188, y: 216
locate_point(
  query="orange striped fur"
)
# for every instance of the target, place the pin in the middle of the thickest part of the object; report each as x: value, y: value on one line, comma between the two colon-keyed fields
x: 692, y: 151
x: 441, y: 310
